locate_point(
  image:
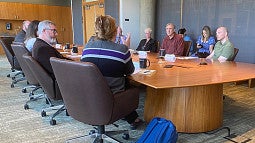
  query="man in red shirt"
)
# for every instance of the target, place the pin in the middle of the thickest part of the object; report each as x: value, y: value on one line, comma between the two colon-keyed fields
x: 173, y: 43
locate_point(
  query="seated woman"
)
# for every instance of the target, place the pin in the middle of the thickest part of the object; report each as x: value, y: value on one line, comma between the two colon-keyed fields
x: 205, y: 43
x: 113, y: 60
x: 31, y: 35
x: 148, y: 44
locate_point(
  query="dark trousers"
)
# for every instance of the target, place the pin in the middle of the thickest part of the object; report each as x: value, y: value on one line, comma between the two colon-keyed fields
x: 130, y: 118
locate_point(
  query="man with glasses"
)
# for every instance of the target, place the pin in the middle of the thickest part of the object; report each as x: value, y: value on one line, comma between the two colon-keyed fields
x: 43, y: 47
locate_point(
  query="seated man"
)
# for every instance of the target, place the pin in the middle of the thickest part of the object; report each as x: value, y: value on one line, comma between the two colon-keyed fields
x: 223, y: 49
x: 122, y: 39
x: 172, y: 43
x: 148, y: 44
x: 43, y: 47
x: 20, y: 37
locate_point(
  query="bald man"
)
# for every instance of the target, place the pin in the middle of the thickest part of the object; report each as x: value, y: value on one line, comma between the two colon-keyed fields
x: 223, y: 49
x: 173, y: 43
x: 20, y: 37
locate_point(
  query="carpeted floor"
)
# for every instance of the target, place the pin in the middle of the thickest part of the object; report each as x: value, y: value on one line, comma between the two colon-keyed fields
x: 27, y: 126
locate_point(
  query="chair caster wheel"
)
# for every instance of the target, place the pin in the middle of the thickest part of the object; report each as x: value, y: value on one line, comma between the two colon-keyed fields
x: 24, y: 90
x: 12, y: 85
x: 67, y: 113
x: 53, y: 122
x: 8, y: 75
x: 92, y: 132
x: 125, y: 136
x: 26, y: 107
x: 31, y: 98
x: 13, y: 78
x: 43, y: 113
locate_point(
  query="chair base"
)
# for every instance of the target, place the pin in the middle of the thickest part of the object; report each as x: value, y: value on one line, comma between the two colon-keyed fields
x: 98, y: 137
x: 59, y: 108
x: 33, y: 98
x: 93, y: 138
x: 14, y: 81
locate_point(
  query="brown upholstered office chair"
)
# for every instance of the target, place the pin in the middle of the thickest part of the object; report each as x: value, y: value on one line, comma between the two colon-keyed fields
x: 87, y: 96
x: 15, y: 67
x: 49, y: 86
x: 19, y: 50
x: 187, y: 45
x: 251, y: 82
x: 236, y: 50
x: 158, y: 46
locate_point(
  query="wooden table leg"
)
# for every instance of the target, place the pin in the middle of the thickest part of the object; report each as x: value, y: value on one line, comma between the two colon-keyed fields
x: 192, y: 109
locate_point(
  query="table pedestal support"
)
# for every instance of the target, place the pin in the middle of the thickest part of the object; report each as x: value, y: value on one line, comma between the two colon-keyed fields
x: 192, y: 109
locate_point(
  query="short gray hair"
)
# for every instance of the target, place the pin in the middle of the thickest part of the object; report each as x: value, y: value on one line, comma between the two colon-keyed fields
x: 170, y: 24
x: 44, y: 25
x: 148, y: 30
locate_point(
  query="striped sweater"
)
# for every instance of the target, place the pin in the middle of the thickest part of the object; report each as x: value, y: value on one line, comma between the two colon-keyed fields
x: 113, y: 60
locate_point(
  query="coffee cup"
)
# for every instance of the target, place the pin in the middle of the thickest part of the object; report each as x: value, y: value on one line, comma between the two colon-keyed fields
x: 58, y: 46
x: 170, y: 57
x: 162, y: 52
x: 144, y: 63
x: 75, y: 49
x: 142, y: 54
x: 67, y: 46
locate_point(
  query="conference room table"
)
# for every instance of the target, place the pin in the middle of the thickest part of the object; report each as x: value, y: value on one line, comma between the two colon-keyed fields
x: 187, y: 93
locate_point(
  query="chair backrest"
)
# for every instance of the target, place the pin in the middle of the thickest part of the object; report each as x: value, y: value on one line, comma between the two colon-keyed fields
x: 236, y: 50
x: 49, y: 85
x: 187, y: 45
x: 19, y: 50
x: 6, y: 44
x: 85, y: 91
x: 158, y: 46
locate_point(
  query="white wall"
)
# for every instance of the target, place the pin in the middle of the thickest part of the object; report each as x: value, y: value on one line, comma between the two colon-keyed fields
x: 130, y: 10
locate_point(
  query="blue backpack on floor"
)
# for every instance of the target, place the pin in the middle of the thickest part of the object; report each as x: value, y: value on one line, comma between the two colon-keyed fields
x: 159, y: 130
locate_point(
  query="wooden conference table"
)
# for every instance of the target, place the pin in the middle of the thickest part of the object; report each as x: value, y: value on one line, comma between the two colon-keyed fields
x: 189, y: 94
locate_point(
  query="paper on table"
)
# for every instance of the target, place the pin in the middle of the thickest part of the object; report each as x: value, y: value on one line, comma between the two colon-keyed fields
x: 147, y: 72
x: 64, y: 52
x: 137, y: 67
x: 186, y: 58
x: 73, y: 56
x: 142, y: 71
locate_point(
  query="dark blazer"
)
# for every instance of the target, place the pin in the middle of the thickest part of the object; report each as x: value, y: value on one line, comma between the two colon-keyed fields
x: 20, y: 37
x: 42, y: 51
x: 151, y: 45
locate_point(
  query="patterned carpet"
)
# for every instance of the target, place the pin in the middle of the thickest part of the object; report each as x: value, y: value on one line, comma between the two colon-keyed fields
x: 27, y: 126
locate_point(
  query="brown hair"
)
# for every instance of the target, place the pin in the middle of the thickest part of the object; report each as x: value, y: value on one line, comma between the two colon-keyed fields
x: 105, y: 27
x: 208, y: 32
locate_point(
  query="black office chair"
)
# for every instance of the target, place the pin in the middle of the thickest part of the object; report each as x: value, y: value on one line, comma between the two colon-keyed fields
x: 88, y: 98
x: 49, y: 86
x: 6, y: 42
x: 19, y: 50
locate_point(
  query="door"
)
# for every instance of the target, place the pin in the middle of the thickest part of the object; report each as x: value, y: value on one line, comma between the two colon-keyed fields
x: 90, y: 11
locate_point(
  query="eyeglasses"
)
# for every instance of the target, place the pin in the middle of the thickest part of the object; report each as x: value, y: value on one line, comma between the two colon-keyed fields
x: 53, y: 30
